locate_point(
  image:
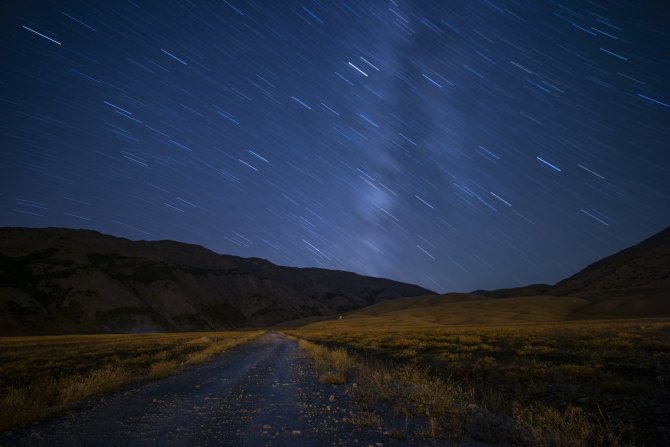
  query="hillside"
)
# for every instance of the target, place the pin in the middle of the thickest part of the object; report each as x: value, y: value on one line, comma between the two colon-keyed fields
x: 642, y: 270
x: 58, y: 280
x: 633, y: 283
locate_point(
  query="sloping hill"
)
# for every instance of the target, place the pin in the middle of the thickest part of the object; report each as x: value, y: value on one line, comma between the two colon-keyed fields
x: 643, y: 270
x: 459, y: 309
x: 58, y: 280
x: 633, y: 283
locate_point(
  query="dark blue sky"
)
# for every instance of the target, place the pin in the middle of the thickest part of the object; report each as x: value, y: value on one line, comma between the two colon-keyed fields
x: 454, y: 144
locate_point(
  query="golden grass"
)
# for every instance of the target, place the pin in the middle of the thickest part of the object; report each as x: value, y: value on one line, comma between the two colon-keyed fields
x: 102, y: 380
x: 43, y: 375
x: 408, y: 389
x: 162, y: 368
x: 458, y: 309
x: 421, y: 405
x: 563, y: 384
x: 332, y: 365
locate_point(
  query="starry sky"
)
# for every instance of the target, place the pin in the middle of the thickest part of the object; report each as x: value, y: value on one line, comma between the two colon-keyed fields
x: 456, y: 144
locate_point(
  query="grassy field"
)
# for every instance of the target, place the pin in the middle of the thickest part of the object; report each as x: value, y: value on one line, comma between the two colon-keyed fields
x: 580, y: 383
x: 43, y: 375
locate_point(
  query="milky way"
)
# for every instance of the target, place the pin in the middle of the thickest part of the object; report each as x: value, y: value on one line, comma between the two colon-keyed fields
x: 454, y: 144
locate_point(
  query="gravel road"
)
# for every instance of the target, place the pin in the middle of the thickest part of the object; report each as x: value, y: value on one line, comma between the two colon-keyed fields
x: 263, y: 393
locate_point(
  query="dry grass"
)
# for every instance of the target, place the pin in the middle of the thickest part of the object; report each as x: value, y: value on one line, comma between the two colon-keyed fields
x: 162, y: 368
x: 567, y: 384
x: 419, y: 403
x: 332, y: 365
x: 102, y: 380
x: 546, y: 426
x: 416, y: 404
x: 43, y: 375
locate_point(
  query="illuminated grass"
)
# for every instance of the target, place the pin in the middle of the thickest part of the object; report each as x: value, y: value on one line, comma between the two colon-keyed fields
x: 332, y: 365
x: 586, y: 383
x: 43, y: 375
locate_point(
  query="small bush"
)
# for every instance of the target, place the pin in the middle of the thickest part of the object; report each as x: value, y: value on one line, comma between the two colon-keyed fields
x: 550, y: 427
x: 332, y: 365
x: 104, y: 380
x: 163, y: 368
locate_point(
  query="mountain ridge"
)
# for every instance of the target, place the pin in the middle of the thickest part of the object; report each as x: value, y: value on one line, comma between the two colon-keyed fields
x: 57, y: 280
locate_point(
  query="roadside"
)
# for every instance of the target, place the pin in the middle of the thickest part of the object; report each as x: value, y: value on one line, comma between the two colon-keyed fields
x: 41, y: 376
x: 263, y: 393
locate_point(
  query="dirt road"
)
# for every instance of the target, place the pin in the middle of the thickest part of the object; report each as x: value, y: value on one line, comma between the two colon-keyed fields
x: 261, y: 394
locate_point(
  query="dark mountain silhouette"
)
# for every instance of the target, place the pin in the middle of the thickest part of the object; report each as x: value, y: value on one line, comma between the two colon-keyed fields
x: 643, y: 269
x: 57, y: 280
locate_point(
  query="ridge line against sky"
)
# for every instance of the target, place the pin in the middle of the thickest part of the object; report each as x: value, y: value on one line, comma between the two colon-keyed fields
x: 458, y: 145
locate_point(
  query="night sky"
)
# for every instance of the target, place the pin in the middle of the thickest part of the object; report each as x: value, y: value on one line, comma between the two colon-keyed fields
x: 454, y: 144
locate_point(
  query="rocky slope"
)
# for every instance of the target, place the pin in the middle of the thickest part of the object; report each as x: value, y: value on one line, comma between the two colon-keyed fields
x: 58, y: 280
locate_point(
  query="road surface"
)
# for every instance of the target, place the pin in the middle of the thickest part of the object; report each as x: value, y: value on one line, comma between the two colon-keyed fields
x: 263, y: 393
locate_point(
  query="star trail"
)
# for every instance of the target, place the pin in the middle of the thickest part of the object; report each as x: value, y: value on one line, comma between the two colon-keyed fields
x: 458, y: 145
